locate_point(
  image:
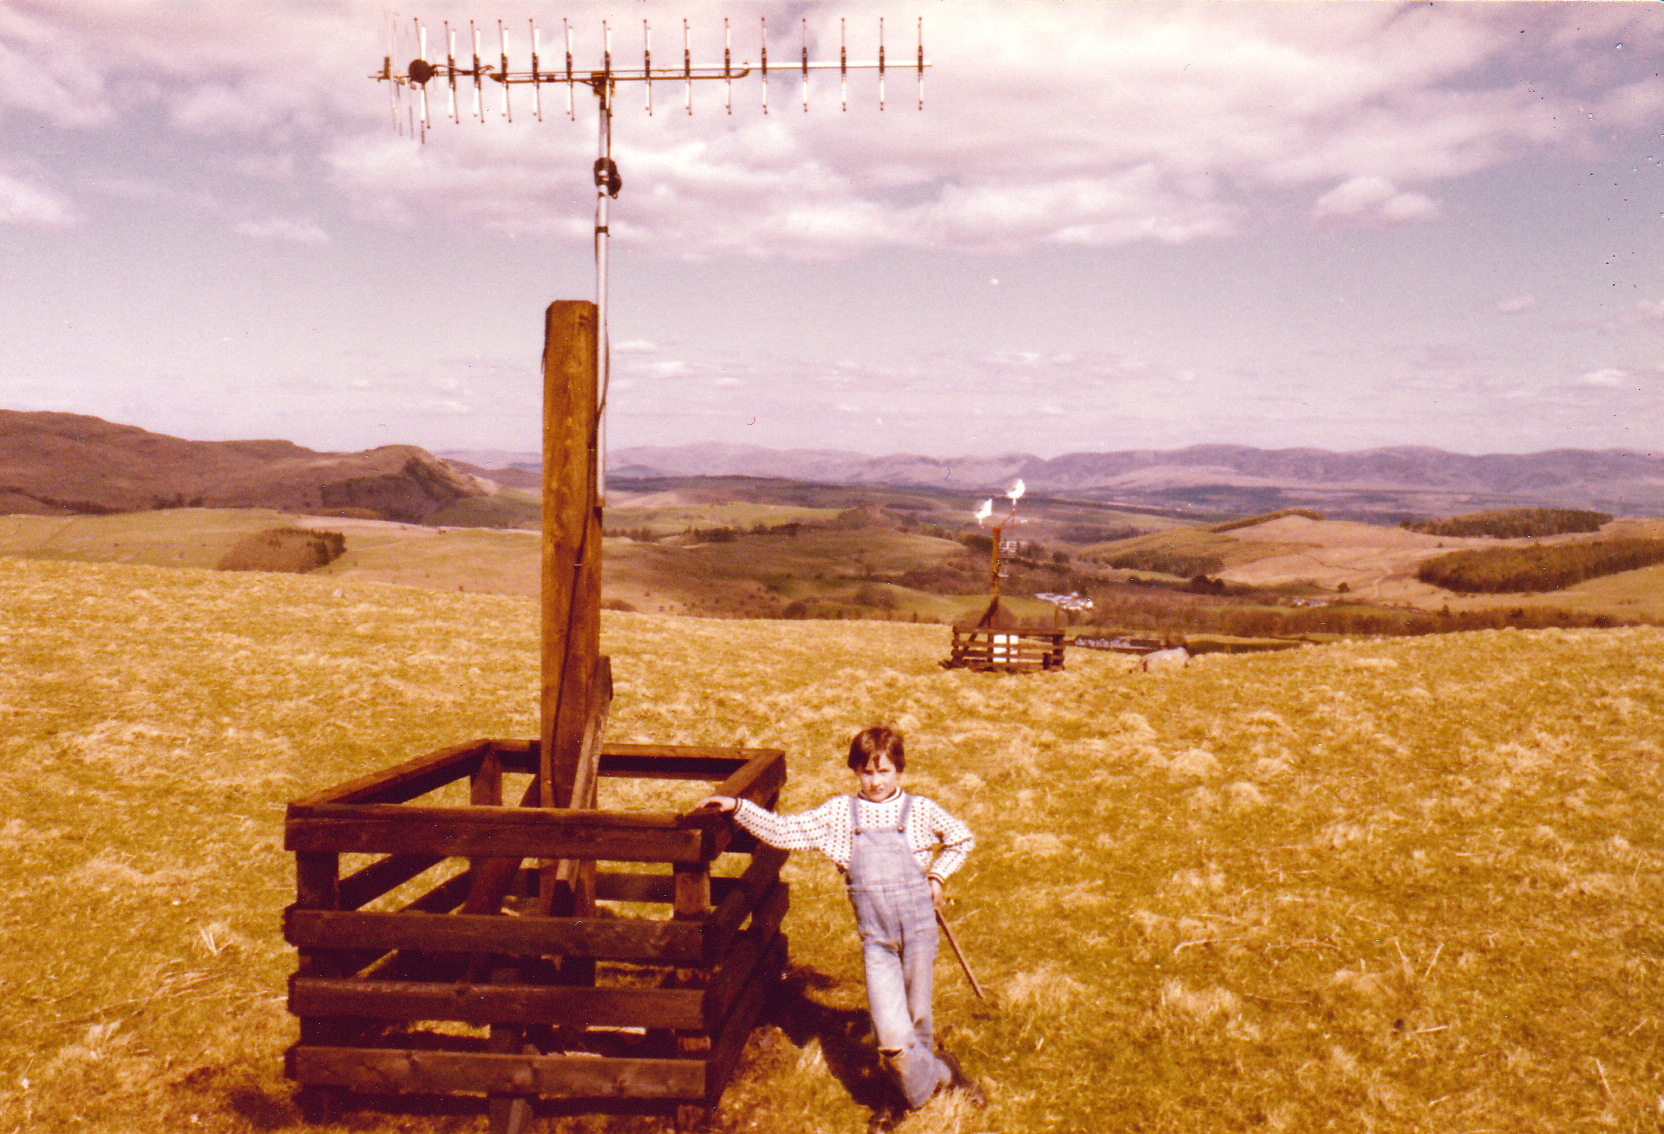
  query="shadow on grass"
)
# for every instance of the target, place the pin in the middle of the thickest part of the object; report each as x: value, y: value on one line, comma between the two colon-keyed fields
x: 845, y: 1035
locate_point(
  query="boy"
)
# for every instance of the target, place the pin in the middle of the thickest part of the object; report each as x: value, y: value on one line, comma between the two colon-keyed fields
x: 882, y: 839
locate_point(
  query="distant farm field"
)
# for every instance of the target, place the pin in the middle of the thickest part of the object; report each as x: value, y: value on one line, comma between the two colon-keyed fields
x: 1396, y: 886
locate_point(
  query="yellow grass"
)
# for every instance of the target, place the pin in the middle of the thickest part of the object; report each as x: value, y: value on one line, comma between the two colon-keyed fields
x: 1379, y: 564
x: 1397, y: 886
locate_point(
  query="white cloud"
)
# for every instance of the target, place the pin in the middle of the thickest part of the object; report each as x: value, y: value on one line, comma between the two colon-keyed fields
x: 1374, y: 198
x: 1516, y: 304
x: 1606, y: 379
x: 26, y: 203
x: 446, y: 406
x: 727, y: 382
x: 671, y: 368
x: 283, y: 229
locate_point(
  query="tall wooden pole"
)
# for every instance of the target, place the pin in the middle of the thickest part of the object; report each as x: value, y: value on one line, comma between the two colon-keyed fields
x: 571, y: 542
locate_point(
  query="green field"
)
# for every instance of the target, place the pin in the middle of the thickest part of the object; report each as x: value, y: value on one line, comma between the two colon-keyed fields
x: 1396, y: 886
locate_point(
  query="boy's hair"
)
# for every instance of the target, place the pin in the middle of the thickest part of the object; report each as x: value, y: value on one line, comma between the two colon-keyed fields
x: 873, y: 742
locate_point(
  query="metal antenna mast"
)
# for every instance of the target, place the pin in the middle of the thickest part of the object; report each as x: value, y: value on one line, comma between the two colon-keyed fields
x: 603, y: 83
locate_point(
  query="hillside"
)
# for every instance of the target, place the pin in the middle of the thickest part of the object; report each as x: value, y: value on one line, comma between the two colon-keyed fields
x: 1332, y: 888
x: 67, y: 464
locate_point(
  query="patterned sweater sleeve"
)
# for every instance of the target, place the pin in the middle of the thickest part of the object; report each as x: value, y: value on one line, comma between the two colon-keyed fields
x: 956, y: 838
x: 805, y: 830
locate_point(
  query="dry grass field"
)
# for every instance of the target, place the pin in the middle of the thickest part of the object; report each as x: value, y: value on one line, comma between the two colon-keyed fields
x: 1379, y: 564
x: 1388, y: 886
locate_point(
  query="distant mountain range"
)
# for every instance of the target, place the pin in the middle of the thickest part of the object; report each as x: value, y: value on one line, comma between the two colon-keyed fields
x: 60, y: 463
x: 57, y: 463
x: 1371, y: 483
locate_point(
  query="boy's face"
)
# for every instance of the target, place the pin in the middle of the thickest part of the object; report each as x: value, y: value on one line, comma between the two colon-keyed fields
x: 878, y: 779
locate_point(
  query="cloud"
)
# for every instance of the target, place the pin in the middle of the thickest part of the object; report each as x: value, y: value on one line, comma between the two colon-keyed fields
x: 284, y: 230
x: 1516, y: 304
x: 1645, y: 313
x: 1374, y: 198
x: 1607, y: 379
x: 1167, y: 123
x: 33, y: 205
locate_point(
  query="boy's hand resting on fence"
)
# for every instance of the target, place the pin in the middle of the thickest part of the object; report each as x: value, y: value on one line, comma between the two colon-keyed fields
x: 723, y: 803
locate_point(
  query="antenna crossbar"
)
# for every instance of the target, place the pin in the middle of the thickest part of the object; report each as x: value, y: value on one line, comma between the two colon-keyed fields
x: 603, y: 82
x: 475, y: 70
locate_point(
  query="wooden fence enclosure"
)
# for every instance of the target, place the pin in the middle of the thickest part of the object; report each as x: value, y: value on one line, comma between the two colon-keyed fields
x: 509, y: 981
x: 999, y: 642
x: 1005, y: 651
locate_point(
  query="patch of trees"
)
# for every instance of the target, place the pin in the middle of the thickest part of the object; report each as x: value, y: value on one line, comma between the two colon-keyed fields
x: 1496, y: 570
x: 291, y: 550
x: 1092, y: 533
x: 1167, y: 561
x: 1170, y: 610
x: 1265, y: 518
x: 1512, y: 523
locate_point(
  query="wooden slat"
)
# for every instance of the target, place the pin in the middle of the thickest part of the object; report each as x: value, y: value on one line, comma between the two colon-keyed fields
x: 691, y: 890
x: 735, y: 970
x: 726, y: 1050
x: 320, y: 997
x: 366, y: 885
x: 444, y: 897
x: 725, y: 920
x: 317, y: 880
x: 404, y: 781
x: 493, y: 875
x: 498, y: 832
x: 608, y: 939
x: 614, y: 886
x: 486, y: 788
x: 702, y: 768
x: 385, y: 1071
x: 682, y: 751
x: 758, y: 779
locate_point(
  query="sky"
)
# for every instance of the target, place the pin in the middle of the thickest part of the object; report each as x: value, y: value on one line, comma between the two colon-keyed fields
x: 1111, y: 226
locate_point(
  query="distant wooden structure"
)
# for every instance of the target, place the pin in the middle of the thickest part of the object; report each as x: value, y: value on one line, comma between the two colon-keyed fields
x: 497, y: 977
x: 1000, y: 642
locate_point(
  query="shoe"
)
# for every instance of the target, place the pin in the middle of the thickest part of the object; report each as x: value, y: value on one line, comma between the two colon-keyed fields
x: 961, y: 1081
x: 883, y: 1120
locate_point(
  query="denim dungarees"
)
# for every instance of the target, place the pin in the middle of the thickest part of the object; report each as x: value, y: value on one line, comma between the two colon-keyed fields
x: 896, y: 918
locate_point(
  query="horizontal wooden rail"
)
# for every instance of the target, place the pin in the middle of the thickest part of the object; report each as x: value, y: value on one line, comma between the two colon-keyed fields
x: 326, y: 997
x: 398, y: 1071
x: 497, y: 832
x: 405, y: 781
x: 608, y: 939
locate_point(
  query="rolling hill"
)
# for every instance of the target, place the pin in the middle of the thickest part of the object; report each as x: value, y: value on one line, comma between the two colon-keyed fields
x: 69, y: 464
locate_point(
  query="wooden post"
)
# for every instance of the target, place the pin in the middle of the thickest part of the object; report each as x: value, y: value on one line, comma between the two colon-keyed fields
x: 571, y: 542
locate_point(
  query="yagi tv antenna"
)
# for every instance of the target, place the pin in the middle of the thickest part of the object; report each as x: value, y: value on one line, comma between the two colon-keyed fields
x: 456, y: 77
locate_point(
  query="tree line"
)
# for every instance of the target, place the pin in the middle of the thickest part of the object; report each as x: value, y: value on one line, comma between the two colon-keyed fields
x: 1512, y: 523
x: 1500, y: 570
